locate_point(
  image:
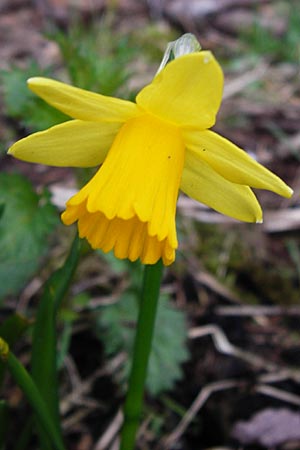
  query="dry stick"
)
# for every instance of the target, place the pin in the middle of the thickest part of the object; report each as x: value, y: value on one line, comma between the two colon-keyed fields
x: 224, y: 346
x: 111, y: 432
x: 84, y: 387
x: 208, y: 390
x: 258, y: 310
x: 32, y: 393
x: 76, y: 418
x: 201, y: 398
x: 115, y: 445
x: 279, y: 394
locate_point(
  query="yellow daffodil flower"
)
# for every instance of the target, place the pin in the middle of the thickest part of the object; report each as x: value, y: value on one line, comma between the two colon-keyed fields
x: 147, y: 152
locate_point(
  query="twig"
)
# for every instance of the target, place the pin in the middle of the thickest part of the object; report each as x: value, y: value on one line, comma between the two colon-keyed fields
x: 116, y: 444
x: 273, y: 377
x: 278, y: 394
x: 199, y: 401
x: 258, y: 310
x: 223, y: 345
x: 83, y: 387
x: 107, y: 438
x: 214, y: 285
x: 211, y: 388
x: 76, y: 418
x: 73, y: 372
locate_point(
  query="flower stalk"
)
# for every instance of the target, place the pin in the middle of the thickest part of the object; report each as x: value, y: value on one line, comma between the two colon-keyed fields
x: 141, y: 352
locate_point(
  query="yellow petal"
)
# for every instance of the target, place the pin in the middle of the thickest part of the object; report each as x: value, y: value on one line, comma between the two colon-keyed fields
x: 82, y: 104
x: 232, y: 162
x: 132, y: 198
x: 202, y: 183
x: 75, y: 143
x: 186, y: 92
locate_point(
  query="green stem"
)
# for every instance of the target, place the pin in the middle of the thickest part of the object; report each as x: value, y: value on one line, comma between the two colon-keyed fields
x: 141, y: 352
x: 25, y: 382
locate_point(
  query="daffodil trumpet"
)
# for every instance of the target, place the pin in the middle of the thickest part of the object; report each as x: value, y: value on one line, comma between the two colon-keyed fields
x: 148, y: 151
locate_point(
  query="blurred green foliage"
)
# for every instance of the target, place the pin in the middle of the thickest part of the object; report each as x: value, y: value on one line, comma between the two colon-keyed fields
x: 27, y: 221
x: 23, y: 105
x: 115, y: 325
x: 168, y: 352
x: 280, y: 46
x: 94, y: 58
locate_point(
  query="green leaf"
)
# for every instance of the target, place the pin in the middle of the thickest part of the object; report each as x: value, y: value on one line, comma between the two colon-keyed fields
x: 16, y: 95
x: 169, y: 349
x: 31, y: 392
x: 109, y: 71
x: 26, y: 223
x: 44, y: 351
x: 116, y: 329
x: 22, y: 104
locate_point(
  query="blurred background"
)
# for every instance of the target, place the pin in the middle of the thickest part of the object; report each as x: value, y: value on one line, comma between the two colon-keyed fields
x: 225, y: 366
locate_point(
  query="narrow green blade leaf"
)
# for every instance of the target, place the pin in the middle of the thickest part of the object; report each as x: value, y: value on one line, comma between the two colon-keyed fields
x: 30, y: 390
x: 44, y: 352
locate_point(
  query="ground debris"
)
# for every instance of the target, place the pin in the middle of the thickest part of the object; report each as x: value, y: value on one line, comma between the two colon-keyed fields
x: 269, y: 427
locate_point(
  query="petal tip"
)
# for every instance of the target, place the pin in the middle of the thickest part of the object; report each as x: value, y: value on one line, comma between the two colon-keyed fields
x: 33, y: 80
